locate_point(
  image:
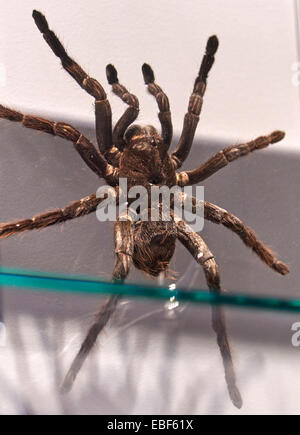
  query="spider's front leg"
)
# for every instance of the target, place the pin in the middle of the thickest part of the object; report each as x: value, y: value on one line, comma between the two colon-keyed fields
x: 130, y: 113
x: 162, y: 100
x: 124, y: 244
x: 90, y: 85
x: 191, y: 118
x: 93, y: 158
x: 199, y: 250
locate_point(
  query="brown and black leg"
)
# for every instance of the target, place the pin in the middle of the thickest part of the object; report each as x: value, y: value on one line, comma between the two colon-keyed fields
x: 90, y: 85
x: 124, y: 250
x: 130, y: 113
x: 225, y: 156
x: 73, y: 210
x: 195, y: 104
x: 199, y: 250
x: 162, y: 100
x: 92, y: 157
x: 220, y: 216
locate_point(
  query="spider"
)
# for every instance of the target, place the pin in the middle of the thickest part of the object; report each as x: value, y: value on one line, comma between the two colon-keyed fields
x: 140, y: 154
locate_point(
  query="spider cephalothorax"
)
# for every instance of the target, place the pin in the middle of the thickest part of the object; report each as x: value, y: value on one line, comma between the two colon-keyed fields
x: 140, y: 155
x: 144, y: 145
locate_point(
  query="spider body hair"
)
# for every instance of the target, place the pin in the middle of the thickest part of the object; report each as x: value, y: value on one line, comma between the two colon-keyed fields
x: 154, y: 242
x: 144, y: 159
x: 154, y: 246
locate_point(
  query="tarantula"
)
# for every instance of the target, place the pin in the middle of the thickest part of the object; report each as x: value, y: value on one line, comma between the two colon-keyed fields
x: 140, y: 154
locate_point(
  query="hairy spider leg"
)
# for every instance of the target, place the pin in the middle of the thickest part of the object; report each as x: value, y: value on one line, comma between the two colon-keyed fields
x: 162, y: 100
x: 225, y: 156
x: 90, y: 85
x: 101, y: 319
x: 218, y: 215
x: 124, y: 244
x: 200, y: 251
x: 130, y: 113
x: 75, y: 209
x: 92, y: 157
x: 191, y: 118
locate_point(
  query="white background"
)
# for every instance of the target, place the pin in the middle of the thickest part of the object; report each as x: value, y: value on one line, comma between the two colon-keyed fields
x: 250, y: 89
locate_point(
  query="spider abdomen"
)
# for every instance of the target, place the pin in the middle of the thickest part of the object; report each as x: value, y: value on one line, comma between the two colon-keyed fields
x: 154, y: 246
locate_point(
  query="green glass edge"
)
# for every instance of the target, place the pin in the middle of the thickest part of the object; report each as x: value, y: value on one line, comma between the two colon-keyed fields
x: 37, y: 280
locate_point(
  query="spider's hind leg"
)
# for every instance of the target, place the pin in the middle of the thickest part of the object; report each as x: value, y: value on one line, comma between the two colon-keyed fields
x: 199, y: 250
x: 218, y: 215
x: 124, y: 250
